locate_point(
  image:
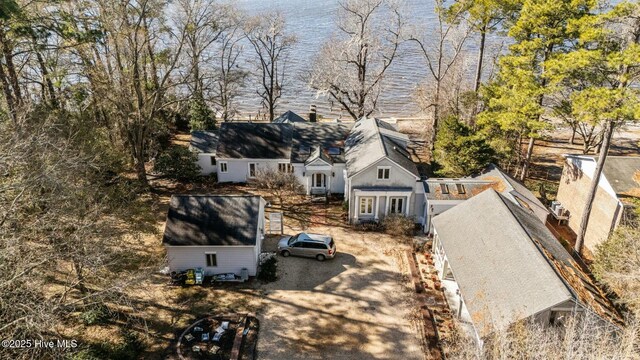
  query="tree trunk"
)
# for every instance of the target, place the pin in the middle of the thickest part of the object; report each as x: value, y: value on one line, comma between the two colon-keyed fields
x: 572, y: 140
x: 527, y: 159
x: 584, y: 221
x: 11, y: 69
x: 8, y: 94
x: 483, y: 36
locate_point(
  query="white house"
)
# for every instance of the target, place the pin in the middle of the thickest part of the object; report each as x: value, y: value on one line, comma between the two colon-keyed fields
x: 499, y: 264
x: 314, y: 152
x: 204, y: 143
x: 220, y: 234
x: 380, y: 177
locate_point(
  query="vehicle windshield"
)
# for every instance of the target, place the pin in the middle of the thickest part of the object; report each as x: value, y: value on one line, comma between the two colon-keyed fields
x: 292, y: 239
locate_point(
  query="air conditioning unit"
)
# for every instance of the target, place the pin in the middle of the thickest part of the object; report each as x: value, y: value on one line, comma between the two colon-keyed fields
x: 559, y: 210
x: 554, y: 205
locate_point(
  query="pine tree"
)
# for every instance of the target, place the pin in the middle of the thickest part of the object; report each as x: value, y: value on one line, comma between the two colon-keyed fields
x: 606, y: 64
x: 542, y: 30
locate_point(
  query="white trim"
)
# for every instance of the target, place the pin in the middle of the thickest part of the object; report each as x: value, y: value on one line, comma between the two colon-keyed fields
x: 206, y: 258
x: 374, y: 193
x: 255, y: 170
x: 383, y: 168
x: 226, y: 167
x: 366, y: 205
x: 386, y: 158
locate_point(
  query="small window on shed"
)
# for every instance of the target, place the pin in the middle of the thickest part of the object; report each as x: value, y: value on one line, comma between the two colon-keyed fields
x: 212, y: 260
x: 461, y: 189
x: 444, y: 188
x: 213, y: 161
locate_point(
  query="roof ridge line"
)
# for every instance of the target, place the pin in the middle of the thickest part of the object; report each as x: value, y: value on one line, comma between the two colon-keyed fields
x: 384, y: 148
x: 541, y: 252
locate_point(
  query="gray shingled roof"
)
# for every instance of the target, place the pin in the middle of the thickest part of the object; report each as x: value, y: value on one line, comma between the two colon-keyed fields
x: 502, y: 275
x: 514, y: 191
x: 212, y: 220
x: 204, y: 141
x: 366, y: 145
x: 319, y: 153
x: 289, y: 117
x: 623, y: 174
x: 319, y: 135
x: 254, y: 141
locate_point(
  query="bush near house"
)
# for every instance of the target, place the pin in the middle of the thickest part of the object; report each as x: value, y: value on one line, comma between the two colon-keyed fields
x: 177, y: 163
x: 398, y: 225
x: 268, y: 270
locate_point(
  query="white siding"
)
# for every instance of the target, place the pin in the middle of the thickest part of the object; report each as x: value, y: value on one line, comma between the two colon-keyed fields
x: 238, y: 169
x: 230, y: 258
x: 398, y: 177
x: 204, y: 161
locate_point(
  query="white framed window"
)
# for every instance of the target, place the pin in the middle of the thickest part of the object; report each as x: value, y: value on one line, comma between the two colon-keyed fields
x: 366, y: 206
x: 396, y: 205
x: 285, y: 167
x: 212, y: 259
x: 223, y: 167
x: 383, y: 172
x: 213, y: 160
x: 252, y: 169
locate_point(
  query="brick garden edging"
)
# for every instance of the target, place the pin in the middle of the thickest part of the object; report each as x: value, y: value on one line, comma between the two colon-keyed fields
x: 430, y: 328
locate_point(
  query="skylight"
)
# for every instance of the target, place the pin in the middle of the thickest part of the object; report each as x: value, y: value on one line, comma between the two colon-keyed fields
x: 333, y: 151
x: 461, y: 189
x: 444, y: 188
x: 304, y: 149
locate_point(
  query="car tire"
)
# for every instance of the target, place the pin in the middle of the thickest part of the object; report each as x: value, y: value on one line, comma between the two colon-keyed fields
x: 320, y: 257
x: 285, y: 253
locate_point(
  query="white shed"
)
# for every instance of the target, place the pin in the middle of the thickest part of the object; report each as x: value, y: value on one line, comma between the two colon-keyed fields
x: 220, y: 234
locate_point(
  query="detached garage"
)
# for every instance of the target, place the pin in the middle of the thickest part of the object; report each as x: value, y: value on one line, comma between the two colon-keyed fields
x: 220, y: 234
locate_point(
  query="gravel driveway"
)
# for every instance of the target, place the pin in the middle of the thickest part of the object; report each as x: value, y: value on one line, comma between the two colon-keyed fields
x: 355, y: 306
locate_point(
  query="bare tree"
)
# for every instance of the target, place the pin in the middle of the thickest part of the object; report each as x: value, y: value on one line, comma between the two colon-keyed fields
x: 278, y: 183
x: 442, y: 52
x: 272, y: 44
x: 229, y: 76
x: 351, y: 66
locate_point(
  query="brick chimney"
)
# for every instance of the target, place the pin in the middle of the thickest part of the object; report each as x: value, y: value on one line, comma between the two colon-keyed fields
x: 313, y: 115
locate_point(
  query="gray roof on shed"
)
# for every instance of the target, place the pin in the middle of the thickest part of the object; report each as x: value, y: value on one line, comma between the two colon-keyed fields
x: 502, y: 275
x: 244, y: 140
x: 204, y: 141
x: 289, y: 117
x: 319, y: 135
x: 366, y: 145
x: 212, y: 220
x: 623, y: 173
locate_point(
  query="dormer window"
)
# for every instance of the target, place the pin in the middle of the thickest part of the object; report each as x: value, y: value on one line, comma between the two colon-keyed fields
x: 333, y: 151
x: 383, y: 172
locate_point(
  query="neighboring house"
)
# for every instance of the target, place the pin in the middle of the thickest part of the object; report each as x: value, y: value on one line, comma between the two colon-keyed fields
x: 289, y: 117
x: 380, y: 177
x: 499, y: 264
x: 204, y: 143
x: 220, y: 234
x: 442, y: 194
x: 618, y: 185
x: 314, y: 152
